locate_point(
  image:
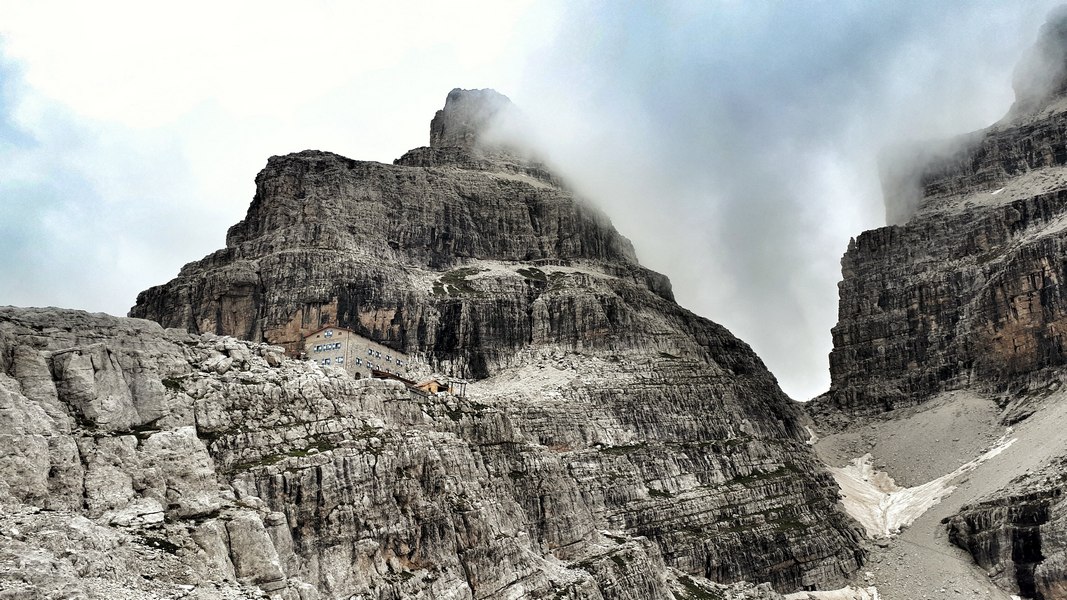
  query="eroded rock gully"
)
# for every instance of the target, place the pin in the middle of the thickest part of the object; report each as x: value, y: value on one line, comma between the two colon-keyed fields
x: 611, y: 444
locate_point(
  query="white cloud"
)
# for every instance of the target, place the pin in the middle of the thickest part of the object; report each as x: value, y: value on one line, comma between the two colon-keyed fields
x: 145, y: 65
x: 733, y: 142
x: 144, y: 126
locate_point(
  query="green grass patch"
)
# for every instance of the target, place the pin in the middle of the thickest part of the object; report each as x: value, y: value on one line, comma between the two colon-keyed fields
x: 158, y: 543
x: 758, y: 475
x: 317, y: 447
x: 789, y: 524
x: 172, y: 383
x: 659, y: 493
x: 693, y: 591
x: 555, y: 280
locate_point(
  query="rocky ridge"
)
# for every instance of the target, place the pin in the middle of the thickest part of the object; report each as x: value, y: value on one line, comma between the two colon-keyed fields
x: 611, y: 444
x: 149, y: 463
x: 1015, y: 535
x: 168, y: 464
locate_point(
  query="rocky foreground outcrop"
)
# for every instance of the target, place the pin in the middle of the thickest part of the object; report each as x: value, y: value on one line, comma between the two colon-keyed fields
x: 611, y: 444
x: 144, y: 462
x: 1018, y: 534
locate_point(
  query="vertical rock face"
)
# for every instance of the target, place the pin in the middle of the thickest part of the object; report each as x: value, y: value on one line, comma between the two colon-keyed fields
x: 967, y: 291
x: 601, y: 412
x: 232, y: 471
x: 1017, y: 535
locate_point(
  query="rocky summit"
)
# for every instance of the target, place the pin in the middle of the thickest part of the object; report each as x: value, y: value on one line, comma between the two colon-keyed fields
x: 608, y: 443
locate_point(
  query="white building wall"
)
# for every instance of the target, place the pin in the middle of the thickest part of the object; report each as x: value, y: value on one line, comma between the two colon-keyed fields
x: 340, y: 347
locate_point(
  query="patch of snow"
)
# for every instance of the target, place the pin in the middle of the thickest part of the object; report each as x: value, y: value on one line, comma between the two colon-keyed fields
x: 1029, y: 184
x: 523, y: 178
x: 500, y: 268
x: 814, y: 439
x: 872, y: 498
x: 425, y: 279
x: 845, y: 593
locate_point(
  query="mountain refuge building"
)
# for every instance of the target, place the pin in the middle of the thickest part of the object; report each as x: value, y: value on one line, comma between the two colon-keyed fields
x: 341, y: 347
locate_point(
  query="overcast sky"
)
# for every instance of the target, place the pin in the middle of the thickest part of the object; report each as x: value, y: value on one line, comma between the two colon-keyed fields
x: 734, y: 142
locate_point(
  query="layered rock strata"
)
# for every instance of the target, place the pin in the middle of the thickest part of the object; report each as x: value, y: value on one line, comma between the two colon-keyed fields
x: 967, y: 290
x: 598, y: 404
x: 166, y: 462
x: 1017, y: 535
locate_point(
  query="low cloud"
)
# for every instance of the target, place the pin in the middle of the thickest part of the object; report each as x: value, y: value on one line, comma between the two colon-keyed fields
x: 737, y: 145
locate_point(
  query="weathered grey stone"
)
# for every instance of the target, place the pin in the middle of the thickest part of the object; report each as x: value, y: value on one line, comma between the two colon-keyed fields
x: 212, y: 539
x: 1019, y: 536
x: 253, y: 555
x: 356, y: 487
x: 24, y: 457
x: 610, y: 445
x: 968, y: 291
x: 483, y: 269
x: 180, y: 460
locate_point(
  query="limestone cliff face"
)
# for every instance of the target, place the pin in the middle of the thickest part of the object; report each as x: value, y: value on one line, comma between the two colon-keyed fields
x: 1017, y: 535
x: 167, y: 463
x: 967, y: 291
x: 599, y: 407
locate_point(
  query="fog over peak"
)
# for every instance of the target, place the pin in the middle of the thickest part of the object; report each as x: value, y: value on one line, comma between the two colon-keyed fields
x: 735, y: 143
x: 739, y: 149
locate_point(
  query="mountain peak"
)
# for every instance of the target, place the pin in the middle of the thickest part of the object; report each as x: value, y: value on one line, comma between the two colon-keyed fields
x: 1041, y: 76
x: 466, y: 117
